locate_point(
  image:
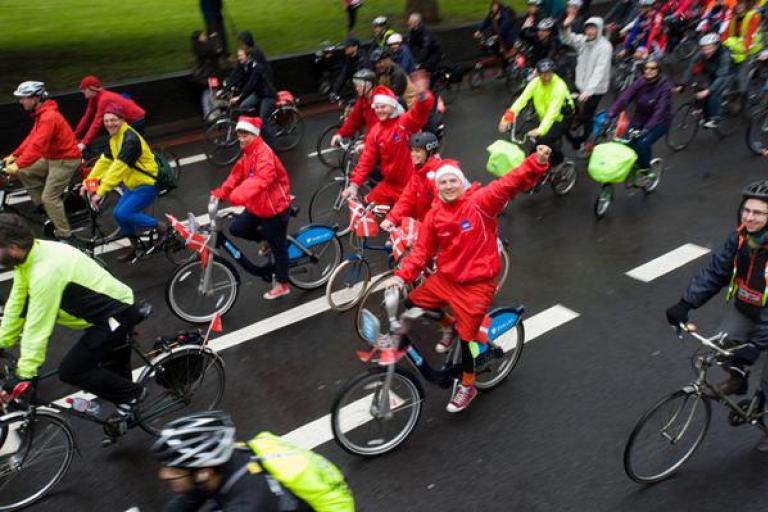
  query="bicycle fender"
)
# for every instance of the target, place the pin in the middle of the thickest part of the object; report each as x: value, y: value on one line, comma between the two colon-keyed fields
x: 504, y: 319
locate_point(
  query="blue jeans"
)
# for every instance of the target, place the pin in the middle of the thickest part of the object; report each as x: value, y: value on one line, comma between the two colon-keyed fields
x: 129, y: 213
x: 643, y: 146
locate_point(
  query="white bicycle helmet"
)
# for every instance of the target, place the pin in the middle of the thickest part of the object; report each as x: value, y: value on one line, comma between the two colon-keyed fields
x: 546, y: 24
x: 395, y: 39
x: 380, y: 21
x: 200, y: 440
x: 708, y: 39
x: 647, y: 3
x: 30, y: 88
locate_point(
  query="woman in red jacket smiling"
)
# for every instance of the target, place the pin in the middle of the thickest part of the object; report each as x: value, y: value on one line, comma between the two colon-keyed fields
x: 461, y: 230
x: 259, y: 182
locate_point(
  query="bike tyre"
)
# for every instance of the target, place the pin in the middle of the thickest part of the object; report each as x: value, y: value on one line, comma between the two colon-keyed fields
x: 184, y: 272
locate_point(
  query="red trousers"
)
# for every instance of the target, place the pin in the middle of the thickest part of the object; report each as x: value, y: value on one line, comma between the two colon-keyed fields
x: 384, y: 193
x: 468, y: 301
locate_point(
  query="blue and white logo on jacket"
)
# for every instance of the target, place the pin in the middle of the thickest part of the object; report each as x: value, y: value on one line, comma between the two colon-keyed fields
x: 465, y: 225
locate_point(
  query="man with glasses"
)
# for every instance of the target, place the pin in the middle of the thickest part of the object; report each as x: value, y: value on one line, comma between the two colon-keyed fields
x: 712, y: 67
x: 741, y: 264
x: 652, y: 96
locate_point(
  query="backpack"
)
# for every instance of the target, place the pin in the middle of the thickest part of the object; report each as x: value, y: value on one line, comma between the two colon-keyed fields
x: 309, y: 476
x: 166, y: 177
x: 611, y: 162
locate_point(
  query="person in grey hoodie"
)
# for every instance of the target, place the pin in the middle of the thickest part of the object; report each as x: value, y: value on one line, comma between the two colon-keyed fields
x: 593, y: 69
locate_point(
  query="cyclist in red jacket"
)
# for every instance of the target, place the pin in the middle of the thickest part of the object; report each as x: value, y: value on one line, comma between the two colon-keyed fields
x: 98, y: 98
x: 420, y: 192
x: 461, y: 231
x: 387, y: 142
x: 259, y: 182
x: 362, y: 117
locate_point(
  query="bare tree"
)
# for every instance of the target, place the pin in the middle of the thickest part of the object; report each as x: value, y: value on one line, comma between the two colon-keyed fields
x: 427, y: 8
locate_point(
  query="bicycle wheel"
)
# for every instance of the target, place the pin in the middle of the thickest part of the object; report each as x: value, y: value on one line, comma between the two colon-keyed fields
x: 330, y: 156
x: 654, y: 177
x: 185, y: 298
x: 173, y: 162
x: 358, y: 425
x: 603, y: 201
x: 757, y: 132
x: 327, y: 207
x: 733, y: 106
x: 501, y: 279
x: 186, y: 380
x: 563, y: 178
x: 348, y: 283
x: 287, y: 128
x: 754, y: 93
x: 666, y: 436
x: 373, y: 301
x: 34, y: 457
x: 221, y: 145
x: 687, y: 46
x: 683, y: 128
x: 503, y: 354
x: 176, y: 250
x: 104, y: 228
x: 310, y: 272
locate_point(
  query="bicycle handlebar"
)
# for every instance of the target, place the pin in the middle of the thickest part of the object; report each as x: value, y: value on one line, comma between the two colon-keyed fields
x: 711, y: 342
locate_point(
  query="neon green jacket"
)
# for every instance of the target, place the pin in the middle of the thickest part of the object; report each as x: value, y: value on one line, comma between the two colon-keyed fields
x: 57, y: 284
x: 548, y: 101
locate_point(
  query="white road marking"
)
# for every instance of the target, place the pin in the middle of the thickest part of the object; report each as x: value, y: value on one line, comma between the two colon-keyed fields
x: 319, y: 431
x: 324, y: 151
x: 667, y: 262
x: 188, y: 160
x: 123, y: 242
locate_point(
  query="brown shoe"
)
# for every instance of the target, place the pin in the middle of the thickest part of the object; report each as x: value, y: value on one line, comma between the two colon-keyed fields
x: 734, y: 385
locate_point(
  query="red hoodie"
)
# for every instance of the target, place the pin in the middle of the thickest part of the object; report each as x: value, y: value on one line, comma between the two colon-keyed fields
x: 463, y: 234
x: 418, y: 195
x: 361, y: 117
x: 388, y: 141
x: 258, y: 181
x: 51, y: 138
x: 93, y: 119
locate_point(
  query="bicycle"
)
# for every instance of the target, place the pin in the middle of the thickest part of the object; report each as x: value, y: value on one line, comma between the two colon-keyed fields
x: 561, y: 178
x: 446, y: 82
x: 690, y: 115
x: 327, y: 206
x: 199, y: 289
x: 181, y: 375
x: 679, y: 422
x: 377, y: 410
x: 618, y: 161
x: 625, y: 71
x: 287, y: 125
x: 333, y: 156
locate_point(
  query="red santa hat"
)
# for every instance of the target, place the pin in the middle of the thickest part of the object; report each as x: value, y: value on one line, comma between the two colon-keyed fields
x: 249, y: 124
x: 383, y: 95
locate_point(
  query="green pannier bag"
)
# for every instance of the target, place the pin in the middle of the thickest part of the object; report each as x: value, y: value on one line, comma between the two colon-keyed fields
x: 611, y: 162
x: 311, y: 477
x: 504, y: 156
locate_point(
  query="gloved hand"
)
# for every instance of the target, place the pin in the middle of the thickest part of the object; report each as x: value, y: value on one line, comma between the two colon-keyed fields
x: 678, y: 314
x: 12, y: 168
x: 9, y: 159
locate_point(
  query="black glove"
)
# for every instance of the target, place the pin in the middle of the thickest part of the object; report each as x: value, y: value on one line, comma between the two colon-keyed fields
x: 678, y: 314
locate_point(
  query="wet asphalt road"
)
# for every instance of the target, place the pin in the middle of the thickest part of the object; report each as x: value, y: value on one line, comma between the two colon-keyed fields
x: 550, y: 438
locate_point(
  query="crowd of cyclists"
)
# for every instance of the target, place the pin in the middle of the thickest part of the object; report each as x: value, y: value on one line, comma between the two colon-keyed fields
x: 396, y: 113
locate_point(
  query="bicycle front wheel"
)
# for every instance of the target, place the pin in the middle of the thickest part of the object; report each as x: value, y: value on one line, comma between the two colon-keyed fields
x: 348, y: 283
x: 373, y: 301
x: 310, y: 272
x: 35, y: 456
x: 221, y: 145
x: 188, y: 379
x: 757, y: 132
x: 287, y: 128
x: 330, y: 156
x: 666, y: 437
x: 360, y: 424
x: 327, y: 207
x: 188, y: 300
x: 563, y: 178
x: 501, y: 357
x: 683, y: 129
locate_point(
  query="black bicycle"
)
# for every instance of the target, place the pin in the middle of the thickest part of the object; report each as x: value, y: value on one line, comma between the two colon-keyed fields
x: 181, y: 375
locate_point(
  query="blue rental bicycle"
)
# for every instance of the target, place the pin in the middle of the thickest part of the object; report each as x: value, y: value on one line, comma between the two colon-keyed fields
x: 378, y: 409
x: 200, y: 289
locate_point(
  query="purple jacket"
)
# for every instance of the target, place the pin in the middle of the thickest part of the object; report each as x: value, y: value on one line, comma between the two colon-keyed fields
x: 653, y: 103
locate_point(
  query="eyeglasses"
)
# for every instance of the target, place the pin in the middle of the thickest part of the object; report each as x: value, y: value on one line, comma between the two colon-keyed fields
x: 746, y: 212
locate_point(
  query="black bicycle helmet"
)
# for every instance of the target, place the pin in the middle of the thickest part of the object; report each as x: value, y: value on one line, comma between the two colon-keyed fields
x: 380, y: 54
x: 201, y: 440
x: 424, y: 140
x: 546, y: 24
x: 756, y: 190
x: 364, y: 74
x: 545, y: 66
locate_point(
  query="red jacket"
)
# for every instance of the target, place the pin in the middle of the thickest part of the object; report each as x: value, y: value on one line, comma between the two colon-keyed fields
x: 258, y: 181
x: 92, y: 121
x: 51, y: 137
x: 361, y: 117
x: 463, y: 234
x: 388, y: 141
x: 418, y: 195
